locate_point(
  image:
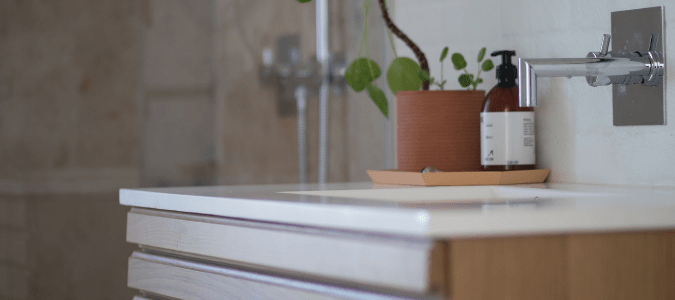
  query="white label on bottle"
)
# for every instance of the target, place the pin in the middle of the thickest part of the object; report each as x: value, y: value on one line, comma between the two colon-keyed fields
x: 507, y: 138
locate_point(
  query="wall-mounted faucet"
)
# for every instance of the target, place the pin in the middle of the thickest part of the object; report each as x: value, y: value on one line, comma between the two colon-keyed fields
x: 636, y: 68
x: 599, y: 68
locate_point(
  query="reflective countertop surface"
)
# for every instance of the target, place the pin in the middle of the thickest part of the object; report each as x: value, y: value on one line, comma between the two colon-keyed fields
x: 435, y: 212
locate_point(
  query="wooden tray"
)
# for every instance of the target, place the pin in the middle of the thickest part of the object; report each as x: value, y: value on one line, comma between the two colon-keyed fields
x: 458, y: 178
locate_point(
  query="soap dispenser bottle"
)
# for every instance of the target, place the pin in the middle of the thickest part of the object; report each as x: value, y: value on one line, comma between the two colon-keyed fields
x: 506, y: 129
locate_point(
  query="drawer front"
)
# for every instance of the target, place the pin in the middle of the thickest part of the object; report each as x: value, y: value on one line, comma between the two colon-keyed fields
x: 387, y: 262
x: 174, y: 278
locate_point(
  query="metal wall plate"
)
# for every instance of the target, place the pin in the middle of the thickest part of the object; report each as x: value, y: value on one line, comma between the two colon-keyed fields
x: 638, y: 104
x: 288, y: 57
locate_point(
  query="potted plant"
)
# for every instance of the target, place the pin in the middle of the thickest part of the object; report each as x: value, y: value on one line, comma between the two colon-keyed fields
x: 437, y: 128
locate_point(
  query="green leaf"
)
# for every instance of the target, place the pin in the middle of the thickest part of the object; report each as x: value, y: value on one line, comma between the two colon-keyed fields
x: 479, y: 80
x: 380, y: 100
x: 465, y: 80
x: 481, y: 54
x: 403, y: 75
x: 487, y: 65
x: 424, y: 75
x: 444, y: 53
x: 443, y: 84
x: 304, y: 1
x: 458, y: 61
x: 358, y: 75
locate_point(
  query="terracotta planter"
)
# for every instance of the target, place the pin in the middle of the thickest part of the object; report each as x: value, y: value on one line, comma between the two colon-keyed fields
x: 440, y: 129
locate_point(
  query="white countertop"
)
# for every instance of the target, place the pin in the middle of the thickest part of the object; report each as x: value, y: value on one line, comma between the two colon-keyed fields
x: 396, y: 210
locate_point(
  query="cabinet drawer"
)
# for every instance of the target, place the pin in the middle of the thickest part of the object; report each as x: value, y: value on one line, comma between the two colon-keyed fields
x: 399, y: 263
x: 175, y: 278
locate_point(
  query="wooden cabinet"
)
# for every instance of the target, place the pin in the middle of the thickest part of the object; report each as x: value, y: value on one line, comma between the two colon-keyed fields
x: 626, y: 265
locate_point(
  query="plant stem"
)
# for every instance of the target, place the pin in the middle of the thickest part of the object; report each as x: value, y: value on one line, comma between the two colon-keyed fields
x: 366, y: 6
x: 441, y: 75
x: 424, y: 65
x: 364, y: 35
x: 477, y: 76
x: 391, y: 40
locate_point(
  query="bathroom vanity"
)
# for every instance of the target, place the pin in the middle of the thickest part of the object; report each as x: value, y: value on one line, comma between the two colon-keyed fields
x: 364, y: 241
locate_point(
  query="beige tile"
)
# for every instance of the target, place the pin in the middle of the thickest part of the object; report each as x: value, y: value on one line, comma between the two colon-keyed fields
x: 13, y: 281
x: 68, y: 85
x: 13, y: 246
x: 12, y: 212
x: 77, y: 248
x: 70, y: 181
x: 178, y: 144
x: 177, y: 44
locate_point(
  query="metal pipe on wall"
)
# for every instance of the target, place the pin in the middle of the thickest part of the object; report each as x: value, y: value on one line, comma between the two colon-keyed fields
x: 323, y: 58
x: 301, y: 98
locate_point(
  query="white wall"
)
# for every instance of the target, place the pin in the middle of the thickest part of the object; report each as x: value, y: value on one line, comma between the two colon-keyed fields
x: 575, y: 135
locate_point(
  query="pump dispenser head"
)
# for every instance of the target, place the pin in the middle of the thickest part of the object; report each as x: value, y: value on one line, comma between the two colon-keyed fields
x: 506, y: 72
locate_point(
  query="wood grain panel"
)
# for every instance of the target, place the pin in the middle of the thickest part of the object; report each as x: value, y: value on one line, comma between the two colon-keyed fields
x: 509, y: 268
x: 622, y: 266
x: 180, y: 279
x: 371, y: 260
x: 635, y: 265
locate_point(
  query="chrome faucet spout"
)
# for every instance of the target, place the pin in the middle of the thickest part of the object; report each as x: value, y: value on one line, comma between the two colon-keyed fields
x: 599, y: 68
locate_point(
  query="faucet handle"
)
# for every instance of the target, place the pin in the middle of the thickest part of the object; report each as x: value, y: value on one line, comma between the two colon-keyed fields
x: 653, y: 40
x: 605, y: 44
